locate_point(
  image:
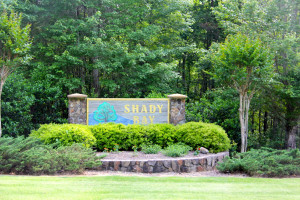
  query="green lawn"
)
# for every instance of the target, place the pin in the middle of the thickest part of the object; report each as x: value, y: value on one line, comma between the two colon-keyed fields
x: 120, y: 187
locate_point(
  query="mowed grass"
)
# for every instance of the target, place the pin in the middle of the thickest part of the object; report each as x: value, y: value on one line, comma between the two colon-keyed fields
x: 120, y: 187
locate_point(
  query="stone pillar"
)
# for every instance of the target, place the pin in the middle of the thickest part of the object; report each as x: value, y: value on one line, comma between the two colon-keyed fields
x: 177, y: 108
x: 77, y: 108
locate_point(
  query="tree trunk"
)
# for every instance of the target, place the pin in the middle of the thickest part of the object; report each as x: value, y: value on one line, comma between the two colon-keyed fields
x: 244, y: 113
x: 0, y: 115
x: 292, y: 135
x: 265, y: 122
x: 1, y: 86
x: 96, y: 82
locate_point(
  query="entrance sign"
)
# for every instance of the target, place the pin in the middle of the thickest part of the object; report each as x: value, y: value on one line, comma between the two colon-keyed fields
x: 127, y: 111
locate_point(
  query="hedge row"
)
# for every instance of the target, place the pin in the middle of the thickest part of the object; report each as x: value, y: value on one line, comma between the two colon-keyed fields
x: 194, y: 134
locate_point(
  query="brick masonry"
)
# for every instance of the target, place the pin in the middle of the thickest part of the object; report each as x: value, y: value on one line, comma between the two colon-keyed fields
x: 197, y: 164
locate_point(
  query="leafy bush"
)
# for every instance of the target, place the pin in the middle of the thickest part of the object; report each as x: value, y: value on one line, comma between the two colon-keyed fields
x: 264, y: 162
x: 31, y: 156
x: 151, y: 149
x: 220, y: 107
x: 161, y: 134
x: 132, y: 135
x: 210, y: 136
x: 66, y: 134
x: 176, y: 150
x: 109, y: 134
x: 17, y: 100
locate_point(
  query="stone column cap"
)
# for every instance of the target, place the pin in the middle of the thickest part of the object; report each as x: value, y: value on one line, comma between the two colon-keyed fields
x: 77, y: 95
x: 177, y: 96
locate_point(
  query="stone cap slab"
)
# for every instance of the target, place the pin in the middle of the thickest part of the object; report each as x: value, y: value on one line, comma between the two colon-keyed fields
x: 177, y: 96
x: 77, y: 95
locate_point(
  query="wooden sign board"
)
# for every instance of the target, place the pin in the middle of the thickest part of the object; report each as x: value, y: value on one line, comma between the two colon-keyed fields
x: 127, y: 111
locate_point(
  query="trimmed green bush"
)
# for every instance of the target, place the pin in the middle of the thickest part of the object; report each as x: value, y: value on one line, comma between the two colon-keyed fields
x: 263, y: 162
x: 107, y: 135
x: 161, y: 134
x: 151, y: 149
x: 200, y: 134
x: 176, y: 150
x: 65, y: 134
x: 31, y: 156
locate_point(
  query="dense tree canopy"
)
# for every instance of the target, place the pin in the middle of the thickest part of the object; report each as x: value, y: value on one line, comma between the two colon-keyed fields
x: 14, y: 46
x: 148, y: 48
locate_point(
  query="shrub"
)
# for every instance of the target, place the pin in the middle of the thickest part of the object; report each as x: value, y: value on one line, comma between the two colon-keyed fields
x: 31, y: 156
x: 109, y: 134
x: 151, y: 149
x: 132, y: 135
x: 210, y: 136
x: 66, y: 134
x: 264, y: 162
x: 161, y: 134
x: 176, y: 150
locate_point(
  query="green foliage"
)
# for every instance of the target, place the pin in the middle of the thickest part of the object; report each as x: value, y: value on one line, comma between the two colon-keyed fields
x: 150, y: 149
x: 17, y: 101
x: 194, y: 134
x: 161, y: 134
x: 109, y: 134
x: 217, y: 106
x: 14, y: 45
x: 275, y: 23
x: 65, y: 134
x: 242, y: 62
x: 264, y: 162
x: 210, y: 136
x: 177, y: 150
x: 133, y: 135
x: 14, y: 41
x: 31, y: 156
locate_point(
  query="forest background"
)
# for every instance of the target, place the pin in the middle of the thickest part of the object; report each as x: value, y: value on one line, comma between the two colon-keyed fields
x: 152, y: 48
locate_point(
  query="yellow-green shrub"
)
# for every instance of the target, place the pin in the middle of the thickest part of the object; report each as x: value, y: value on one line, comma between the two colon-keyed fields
x: 161, y: 134
x: 109, y: 134
x: 66, y: 134
x: 197, y: 134
x: 194, y: 134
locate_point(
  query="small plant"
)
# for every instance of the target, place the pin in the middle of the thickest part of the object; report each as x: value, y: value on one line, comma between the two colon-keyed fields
x: 135, y: 150
x: 106, y: 150
x: 151, y: 149
x: 176, y: 150
x: 196, y: 153
x: 116, y: 148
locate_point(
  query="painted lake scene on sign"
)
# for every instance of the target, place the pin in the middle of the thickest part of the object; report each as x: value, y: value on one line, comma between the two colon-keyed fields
x: 127, y: 111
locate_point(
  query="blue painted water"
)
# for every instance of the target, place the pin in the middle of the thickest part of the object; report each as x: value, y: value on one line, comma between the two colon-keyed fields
x: 120, y: 120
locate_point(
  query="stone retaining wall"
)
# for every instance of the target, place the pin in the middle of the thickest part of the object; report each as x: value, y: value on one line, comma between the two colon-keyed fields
x: 197, y: 164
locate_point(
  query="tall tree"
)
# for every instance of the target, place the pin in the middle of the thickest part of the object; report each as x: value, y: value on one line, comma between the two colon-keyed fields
x: 276, y: 23
x: 14, y: 45
x: 244, y: 64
